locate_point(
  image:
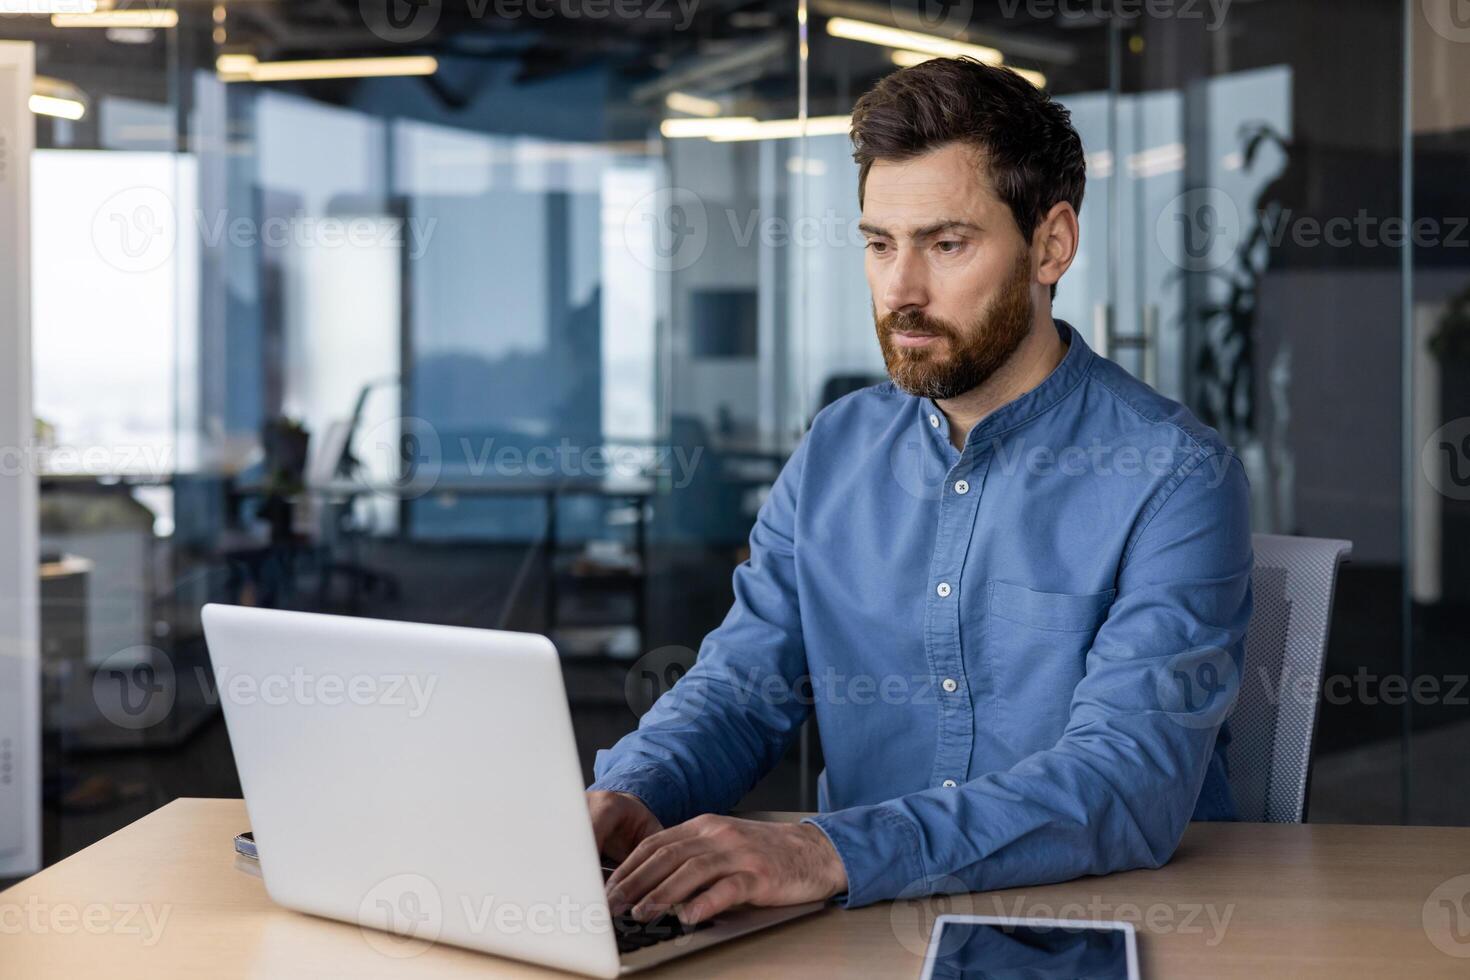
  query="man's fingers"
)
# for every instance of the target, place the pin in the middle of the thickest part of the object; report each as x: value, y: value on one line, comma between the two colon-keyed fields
x: 725, y: 893
x: 643, y: 878
x: 691, y: 876
x: 646, y: 848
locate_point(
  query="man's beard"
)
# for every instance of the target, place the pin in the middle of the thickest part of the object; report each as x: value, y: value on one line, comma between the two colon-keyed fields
x: 963, y: 359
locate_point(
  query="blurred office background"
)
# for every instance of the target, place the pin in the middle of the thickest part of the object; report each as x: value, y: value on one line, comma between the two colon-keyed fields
x: 520, y: 338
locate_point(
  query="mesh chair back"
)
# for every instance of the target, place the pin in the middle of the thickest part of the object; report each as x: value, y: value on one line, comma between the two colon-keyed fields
x: 1275, y: 716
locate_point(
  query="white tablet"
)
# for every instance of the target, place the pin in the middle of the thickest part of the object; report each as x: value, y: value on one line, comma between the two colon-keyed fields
x: 983, y: 947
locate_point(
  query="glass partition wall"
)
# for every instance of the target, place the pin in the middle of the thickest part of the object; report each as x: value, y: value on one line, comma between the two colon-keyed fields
x: 1436, y: 416
x: 521, y: 337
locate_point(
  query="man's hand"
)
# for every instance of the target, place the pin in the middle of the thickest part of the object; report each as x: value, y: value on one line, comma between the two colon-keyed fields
x: 712, y: 863
x: 620, y: 822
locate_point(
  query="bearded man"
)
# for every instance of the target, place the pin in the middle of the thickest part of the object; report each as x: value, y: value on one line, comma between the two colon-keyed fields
x: 1012, y: 583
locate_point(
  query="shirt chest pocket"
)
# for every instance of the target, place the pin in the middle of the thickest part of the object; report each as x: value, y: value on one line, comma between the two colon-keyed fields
x: 1033, y: 655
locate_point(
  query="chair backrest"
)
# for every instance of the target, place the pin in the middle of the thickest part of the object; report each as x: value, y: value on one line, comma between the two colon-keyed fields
x: 1275, y: 717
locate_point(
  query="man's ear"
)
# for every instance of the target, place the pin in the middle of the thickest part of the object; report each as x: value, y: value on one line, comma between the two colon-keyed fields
x: 1055, y: 242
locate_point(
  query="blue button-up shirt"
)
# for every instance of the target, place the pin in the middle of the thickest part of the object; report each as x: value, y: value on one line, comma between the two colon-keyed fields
x: 1020, y: 655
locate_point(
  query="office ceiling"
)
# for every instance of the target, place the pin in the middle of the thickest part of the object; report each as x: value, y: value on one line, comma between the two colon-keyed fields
x: 741, y: 50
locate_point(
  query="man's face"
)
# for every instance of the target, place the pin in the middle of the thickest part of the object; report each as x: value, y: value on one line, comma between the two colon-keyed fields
x: 949, y: 271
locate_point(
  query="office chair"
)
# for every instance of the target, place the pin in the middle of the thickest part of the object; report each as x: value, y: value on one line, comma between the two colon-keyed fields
x: 1275, y: 718
x: 337, y: 463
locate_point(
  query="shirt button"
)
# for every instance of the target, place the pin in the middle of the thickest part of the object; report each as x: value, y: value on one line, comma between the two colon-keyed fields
x: 949, y: 685
x: 943, y: 589
x: 934, y: 421
x: 961, y: 486
x: 949, y: 784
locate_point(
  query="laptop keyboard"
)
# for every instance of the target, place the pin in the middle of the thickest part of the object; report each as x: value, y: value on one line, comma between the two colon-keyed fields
x: 634, y: 935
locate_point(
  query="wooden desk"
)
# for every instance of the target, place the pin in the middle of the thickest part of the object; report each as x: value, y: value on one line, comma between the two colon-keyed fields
x: 1257, y: 900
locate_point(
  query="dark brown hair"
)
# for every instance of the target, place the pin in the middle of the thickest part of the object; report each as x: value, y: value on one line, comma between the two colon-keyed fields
x: 1030, y: 150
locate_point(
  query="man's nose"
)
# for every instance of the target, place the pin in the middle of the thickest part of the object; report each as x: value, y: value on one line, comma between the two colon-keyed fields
x: 906, y: 288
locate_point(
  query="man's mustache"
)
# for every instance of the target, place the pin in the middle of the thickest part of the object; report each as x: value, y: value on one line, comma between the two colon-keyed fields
x: 915, y: 323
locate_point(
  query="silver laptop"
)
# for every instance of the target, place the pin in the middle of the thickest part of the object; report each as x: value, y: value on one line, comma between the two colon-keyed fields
x: 423, y: 783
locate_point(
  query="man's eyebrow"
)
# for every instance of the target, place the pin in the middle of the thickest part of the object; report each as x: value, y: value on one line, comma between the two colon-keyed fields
x: 927, y: 231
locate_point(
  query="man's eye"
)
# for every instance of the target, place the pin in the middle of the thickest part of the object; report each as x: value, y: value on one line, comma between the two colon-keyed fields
x: 878, y: 247
x: 948, y: 248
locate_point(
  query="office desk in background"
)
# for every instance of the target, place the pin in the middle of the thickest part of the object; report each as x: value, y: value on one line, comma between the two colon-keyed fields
x: 1249, y: 900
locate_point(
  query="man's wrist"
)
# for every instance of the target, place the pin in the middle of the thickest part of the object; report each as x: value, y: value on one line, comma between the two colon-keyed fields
x: 831, y: 869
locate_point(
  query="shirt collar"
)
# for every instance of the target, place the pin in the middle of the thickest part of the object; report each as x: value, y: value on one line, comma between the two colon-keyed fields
x: 1057, y: 385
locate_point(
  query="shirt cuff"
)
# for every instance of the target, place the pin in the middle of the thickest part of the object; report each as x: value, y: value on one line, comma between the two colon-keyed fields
x: 879, y: 850
x: 653, y: 787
